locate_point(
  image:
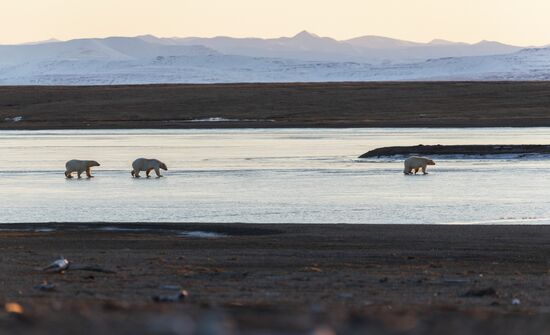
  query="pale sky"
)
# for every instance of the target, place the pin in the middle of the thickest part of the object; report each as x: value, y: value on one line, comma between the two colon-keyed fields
x: 524, y: 22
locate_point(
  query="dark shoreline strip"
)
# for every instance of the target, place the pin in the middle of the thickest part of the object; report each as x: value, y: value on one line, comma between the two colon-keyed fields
x: 278, y: 105
x: 474, y: 150
x: 230, y: 229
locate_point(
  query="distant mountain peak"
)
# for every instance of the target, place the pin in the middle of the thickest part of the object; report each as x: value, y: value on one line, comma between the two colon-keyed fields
x: 305, y: 35
x: 380, y: 42
x: 488, y: 42
x: 439, y: 41
x: 148, y: 37
x: 51, y: 40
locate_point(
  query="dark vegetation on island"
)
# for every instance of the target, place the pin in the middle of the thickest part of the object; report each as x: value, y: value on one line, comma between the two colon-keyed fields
x: 401, y: 104
x: 474, y: 150
x: 276, y: 279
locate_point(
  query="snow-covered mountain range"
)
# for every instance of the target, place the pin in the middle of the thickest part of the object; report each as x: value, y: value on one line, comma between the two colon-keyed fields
x: 307, y: 46
x: 302, y: 58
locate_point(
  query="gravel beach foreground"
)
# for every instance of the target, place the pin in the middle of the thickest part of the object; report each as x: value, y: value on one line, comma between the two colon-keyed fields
x: 274, y: 279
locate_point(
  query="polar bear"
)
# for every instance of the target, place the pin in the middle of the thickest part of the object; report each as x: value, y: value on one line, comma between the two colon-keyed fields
x: 147, y: 165
x: 79, y: 166
x: 417, y: 163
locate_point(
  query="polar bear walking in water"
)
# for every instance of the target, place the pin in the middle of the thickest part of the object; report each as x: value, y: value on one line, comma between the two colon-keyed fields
x: 79, y: 166
x: 147, y: 165
x: 417, y: 163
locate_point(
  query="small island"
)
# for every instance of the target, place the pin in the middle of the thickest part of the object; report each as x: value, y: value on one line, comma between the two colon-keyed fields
x: 473, y: 150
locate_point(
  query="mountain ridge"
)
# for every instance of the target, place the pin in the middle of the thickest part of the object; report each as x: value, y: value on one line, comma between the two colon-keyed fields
x: 309, y: 46
x: 304, y: 57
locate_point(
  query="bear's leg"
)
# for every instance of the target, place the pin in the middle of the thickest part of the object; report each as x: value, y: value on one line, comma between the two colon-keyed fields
x: 135, y: 173
x: 157, y: 171
x: 68, y: 174
x: 79, y: 172
x: 407, y: 170
x: 424, y: 170
x: 416, y: 170
x: 148, y: 171
x: 89, y: 173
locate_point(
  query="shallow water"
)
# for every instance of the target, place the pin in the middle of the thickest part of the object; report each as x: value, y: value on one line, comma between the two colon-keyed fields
x: 270, y: 176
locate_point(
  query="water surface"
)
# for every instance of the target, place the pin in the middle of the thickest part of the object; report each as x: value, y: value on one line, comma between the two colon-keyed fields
x: 270, y: 176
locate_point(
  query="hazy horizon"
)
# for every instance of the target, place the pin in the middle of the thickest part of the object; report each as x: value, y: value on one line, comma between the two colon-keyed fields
x: 467, y: 21
x: 56, y: 39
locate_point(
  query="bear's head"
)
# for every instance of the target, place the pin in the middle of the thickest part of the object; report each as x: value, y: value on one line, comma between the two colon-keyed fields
x: 93, y: 163
x: 163, y: 166
x: 430, y: 162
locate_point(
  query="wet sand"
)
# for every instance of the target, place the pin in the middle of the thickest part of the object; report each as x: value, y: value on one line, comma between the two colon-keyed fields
x: 275, y: 279
x: 336, y: 105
